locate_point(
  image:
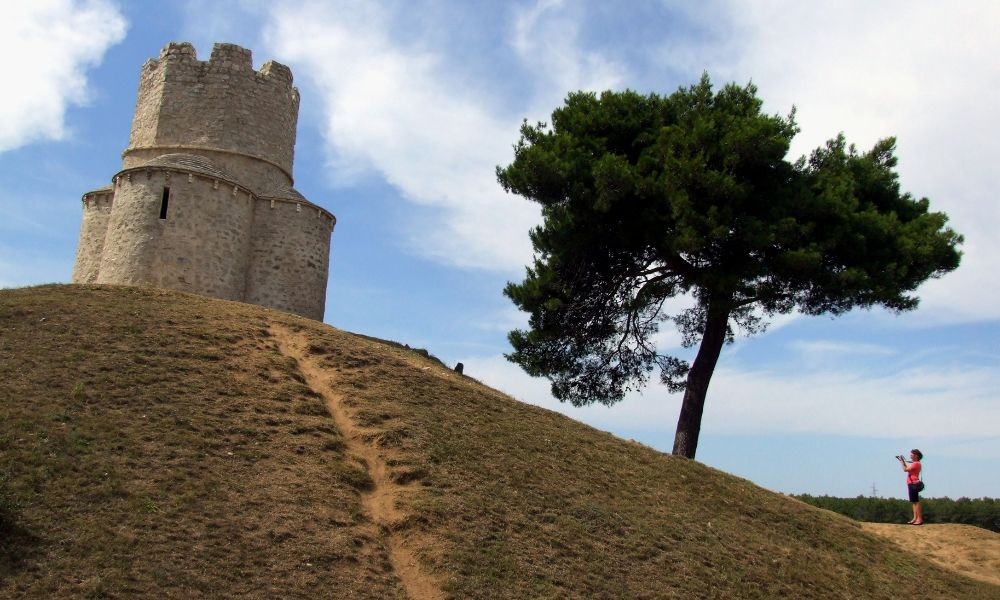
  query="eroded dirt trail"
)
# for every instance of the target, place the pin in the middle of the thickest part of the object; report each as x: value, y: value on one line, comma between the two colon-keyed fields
x: 380, y: 502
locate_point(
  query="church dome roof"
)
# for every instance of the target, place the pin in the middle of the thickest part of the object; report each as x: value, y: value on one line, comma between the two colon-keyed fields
x: 284, y: 193
x: 101, y: 190
x: 189, y: 162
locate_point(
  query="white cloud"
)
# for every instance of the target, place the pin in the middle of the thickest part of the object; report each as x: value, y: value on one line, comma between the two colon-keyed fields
x: 504, y: 320
x: 825, y: 348
x: 394, y: 108
x: 501, y: 374
x: 49, y: 45
x: 546, y: 37
x: 231, y: 21
x: 926, y: 402
x: 403, y: 110
x: 949, y: 405
x: 922, y: 71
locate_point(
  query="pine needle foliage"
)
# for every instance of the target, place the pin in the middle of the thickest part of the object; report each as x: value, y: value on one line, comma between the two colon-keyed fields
x: 646, y: 198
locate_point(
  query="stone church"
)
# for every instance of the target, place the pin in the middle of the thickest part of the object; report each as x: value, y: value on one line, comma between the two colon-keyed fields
x: 204, y: 201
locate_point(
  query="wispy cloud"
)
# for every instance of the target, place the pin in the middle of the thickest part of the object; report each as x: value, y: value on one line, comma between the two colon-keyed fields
x: 546, y: 37
x: 825, y: 348
x: 946, y: 404
x: 49, y: 45
x: 400, y: 107
x: 393, y: 107
x: 504, y: 320
x: 232, y: 21
x: 921, y: 403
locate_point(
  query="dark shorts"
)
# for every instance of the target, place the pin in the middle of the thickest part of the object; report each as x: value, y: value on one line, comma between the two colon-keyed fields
x: 914, y: 494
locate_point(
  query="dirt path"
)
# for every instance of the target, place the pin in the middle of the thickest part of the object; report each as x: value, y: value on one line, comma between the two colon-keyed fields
x: 971, y: 551
x: 380, y: 502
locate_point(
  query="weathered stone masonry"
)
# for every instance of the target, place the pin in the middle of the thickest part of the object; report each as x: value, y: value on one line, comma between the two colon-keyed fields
x: 204, y: 201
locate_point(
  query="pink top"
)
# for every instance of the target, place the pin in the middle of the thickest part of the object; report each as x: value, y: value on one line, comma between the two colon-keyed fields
x: 913, y: 472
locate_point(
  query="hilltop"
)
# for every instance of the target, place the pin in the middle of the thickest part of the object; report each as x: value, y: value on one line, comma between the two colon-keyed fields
x: 160, y: 444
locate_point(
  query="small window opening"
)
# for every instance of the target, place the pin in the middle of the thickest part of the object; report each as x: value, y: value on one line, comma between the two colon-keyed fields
x: 163, y: 203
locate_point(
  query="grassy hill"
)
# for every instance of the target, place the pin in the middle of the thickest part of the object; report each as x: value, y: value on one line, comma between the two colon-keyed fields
x: 158, y: 444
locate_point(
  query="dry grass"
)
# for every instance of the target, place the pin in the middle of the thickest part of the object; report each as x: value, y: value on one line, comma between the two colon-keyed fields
x: 159, y: 444
x: 973, y: 551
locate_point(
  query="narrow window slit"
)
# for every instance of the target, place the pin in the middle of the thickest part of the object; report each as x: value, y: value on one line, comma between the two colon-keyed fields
x: 163, y: 202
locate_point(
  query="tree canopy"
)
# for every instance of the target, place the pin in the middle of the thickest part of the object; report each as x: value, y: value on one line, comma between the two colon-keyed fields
x: 648, y: 197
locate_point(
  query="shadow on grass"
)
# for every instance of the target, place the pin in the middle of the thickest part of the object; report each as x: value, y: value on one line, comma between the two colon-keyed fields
x: 17, y: 545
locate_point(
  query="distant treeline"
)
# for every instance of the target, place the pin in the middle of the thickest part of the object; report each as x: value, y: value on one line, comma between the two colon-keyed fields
x: 981, y: 512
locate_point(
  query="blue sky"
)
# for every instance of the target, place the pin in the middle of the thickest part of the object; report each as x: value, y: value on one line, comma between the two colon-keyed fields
x: 408, y: 106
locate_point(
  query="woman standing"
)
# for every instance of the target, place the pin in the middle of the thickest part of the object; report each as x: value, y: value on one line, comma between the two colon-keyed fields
x: 913, y: 484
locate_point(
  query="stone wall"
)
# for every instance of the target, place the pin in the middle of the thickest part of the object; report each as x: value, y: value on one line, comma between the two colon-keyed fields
x: 133, y: 232
x: 290, y: 257
x: 201, y: 246
x: 93, y: 227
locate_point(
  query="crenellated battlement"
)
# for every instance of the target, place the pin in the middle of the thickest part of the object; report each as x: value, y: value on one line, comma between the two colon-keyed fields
x: 221, y: 104
x: 279, y: 71
x: 179, y: 51
x: 229, y: 57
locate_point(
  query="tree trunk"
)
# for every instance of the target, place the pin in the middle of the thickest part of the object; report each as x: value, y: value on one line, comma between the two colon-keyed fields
x: 689, y: 422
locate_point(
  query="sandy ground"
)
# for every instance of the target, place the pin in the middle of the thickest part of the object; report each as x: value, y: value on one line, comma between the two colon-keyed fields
x: 971, y: 551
